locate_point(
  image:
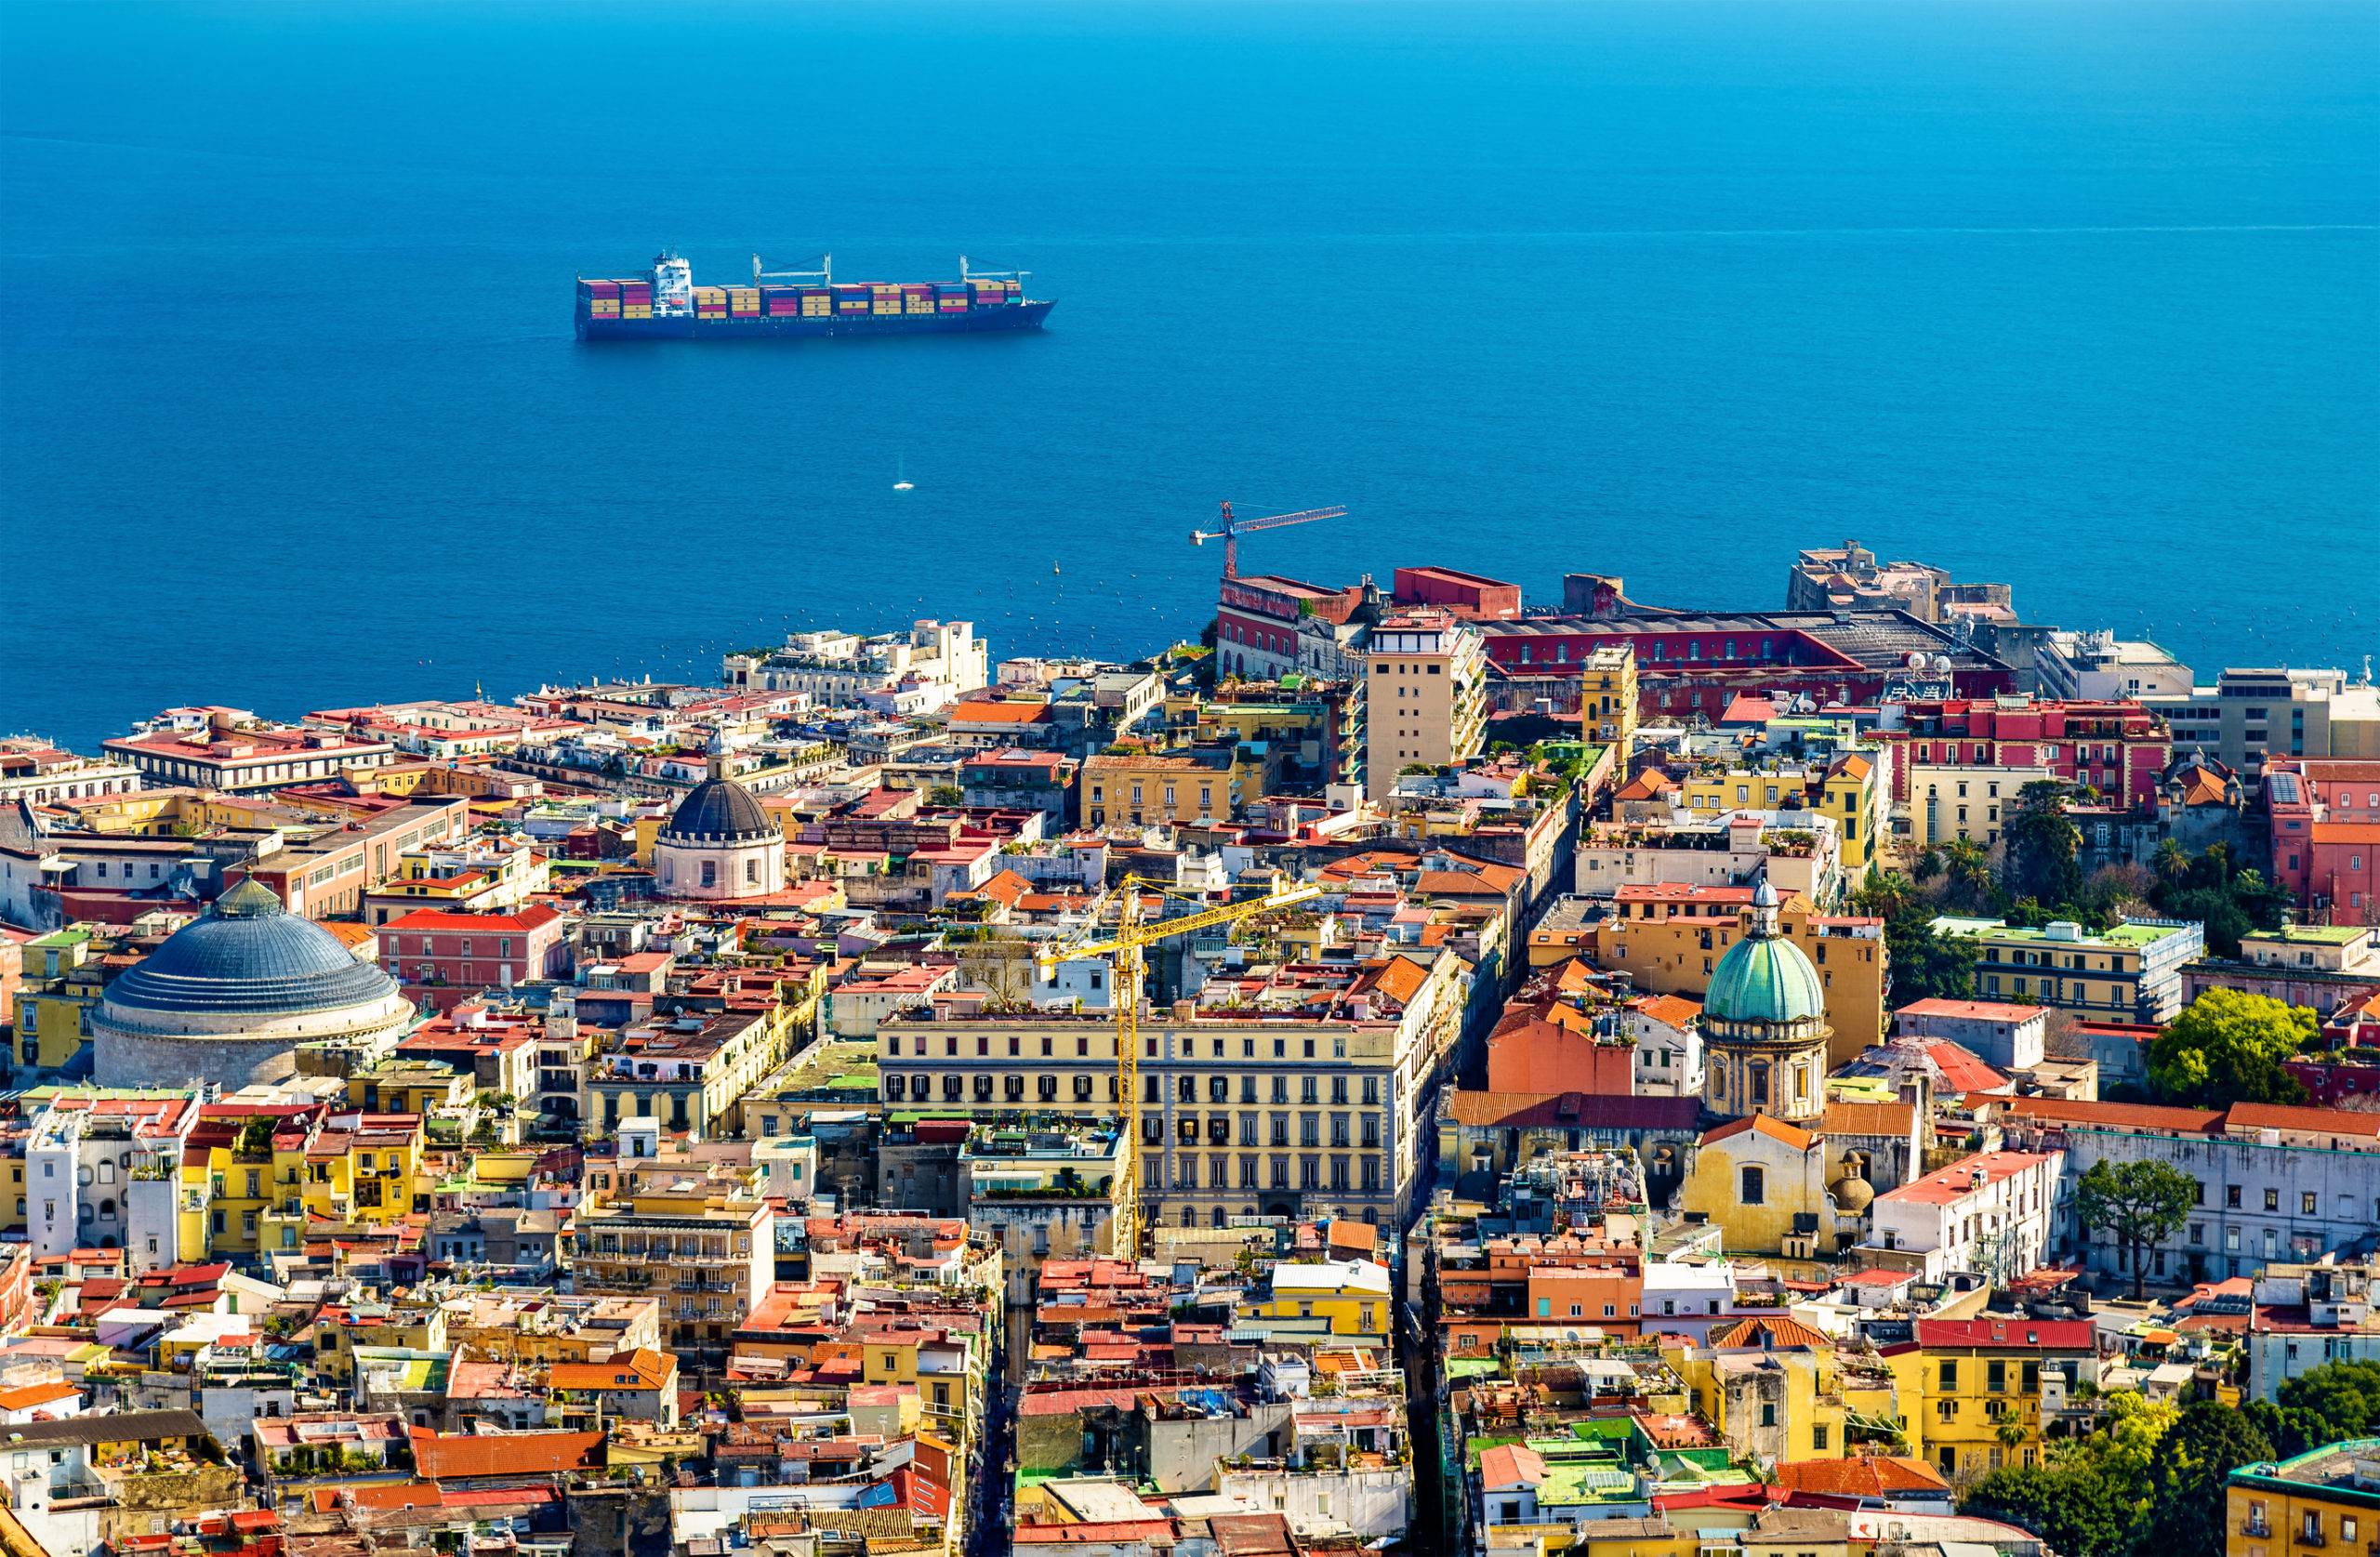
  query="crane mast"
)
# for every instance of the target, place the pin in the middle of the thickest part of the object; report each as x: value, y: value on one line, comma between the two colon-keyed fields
x: 1127, y: 956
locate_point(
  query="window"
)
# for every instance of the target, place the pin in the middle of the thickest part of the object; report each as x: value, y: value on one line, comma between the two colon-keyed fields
x: 1755, y: 1187
x: 2273, y: 1200
x: 2306, y: 1202
x: 1950, y: 1374
x: 1817, y: 1436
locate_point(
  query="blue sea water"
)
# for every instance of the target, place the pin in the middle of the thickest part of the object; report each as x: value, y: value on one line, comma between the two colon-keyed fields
x: 2081, y: 295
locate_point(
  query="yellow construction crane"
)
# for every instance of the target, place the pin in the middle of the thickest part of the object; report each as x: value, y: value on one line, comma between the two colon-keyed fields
x: 1123, y: 951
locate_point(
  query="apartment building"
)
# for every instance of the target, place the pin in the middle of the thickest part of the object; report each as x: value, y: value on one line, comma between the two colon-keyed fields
x: 1799, y: 851
x: 2272, y: 1183
x: 688, y: 1069
x: 1962, y: 1380
x: 2130, y: 973
x: 2325, y: 1496
x: 2255, y: 717
x: 1427, y: 670
x: 1315, y: 1106
x: 1994, y: 1213
x: 1187, y: 783
x: 703, y: 1245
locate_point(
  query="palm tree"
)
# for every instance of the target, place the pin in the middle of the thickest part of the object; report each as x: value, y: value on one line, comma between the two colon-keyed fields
x: 2171, y: 862
x: 1969, y: 866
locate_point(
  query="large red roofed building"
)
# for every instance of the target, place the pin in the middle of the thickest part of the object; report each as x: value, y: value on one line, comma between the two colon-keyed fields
x: 1700, y: 662
x: 2117, y: 747
x: 475, y: 950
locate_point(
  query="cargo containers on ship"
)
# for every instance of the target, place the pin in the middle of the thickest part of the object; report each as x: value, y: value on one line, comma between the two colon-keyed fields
x: 665, y: 303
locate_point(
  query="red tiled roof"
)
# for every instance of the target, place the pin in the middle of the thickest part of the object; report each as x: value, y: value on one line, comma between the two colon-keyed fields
x: 999, y: 713
x: 1800, y: 1140
x: 536, y: 917
x: 2114, y: 1116
x: 1973, y: 1010
x: 1865, y: 1476
x: 2311, y: 1121
x: 1510, y: 1465
x: 1779, y: 1330
x: 1945, y: 1185
x: 2060, y: 1334
x: 1962, y: 1071
x: 511, y: 1454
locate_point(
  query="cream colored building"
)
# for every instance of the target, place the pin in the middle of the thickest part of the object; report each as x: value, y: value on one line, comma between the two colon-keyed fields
x: 1426, y: 702
x: 1949, y: 801
x: 1254, y: 1113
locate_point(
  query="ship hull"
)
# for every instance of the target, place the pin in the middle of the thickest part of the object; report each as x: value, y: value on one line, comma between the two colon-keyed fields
x: 1009, y: 316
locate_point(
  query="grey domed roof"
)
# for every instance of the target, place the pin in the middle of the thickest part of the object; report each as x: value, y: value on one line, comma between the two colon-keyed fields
x: 248, y: 954
x: 720, y: 810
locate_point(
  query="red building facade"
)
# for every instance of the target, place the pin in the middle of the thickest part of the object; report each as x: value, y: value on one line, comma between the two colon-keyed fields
x: 2326, y: 836
x: 475, y: 951
x: 2119, y: 748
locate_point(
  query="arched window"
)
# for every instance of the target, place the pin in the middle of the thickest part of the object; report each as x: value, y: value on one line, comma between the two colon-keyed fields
x: 1755, y: 1187
x: 107, y: 1210
x: 1189, y: 1216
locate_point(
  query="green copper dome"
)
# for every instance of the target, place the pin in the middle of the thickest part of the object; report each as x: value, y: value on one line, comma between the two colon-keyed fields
x: 1762, y: 980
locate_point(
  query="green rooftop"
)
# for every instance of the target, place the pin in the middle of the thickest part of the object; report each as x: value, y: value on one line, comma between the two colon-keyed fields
x: 1573, y: 1483
x: 2311, y: 935
x: 2131, y: 935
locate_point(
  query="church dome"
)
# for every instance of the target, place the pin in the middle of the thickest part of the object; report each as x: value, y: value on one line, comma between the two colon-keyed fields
x: 1763, y: 980
x: 720, y: 810
x: 249, y: 956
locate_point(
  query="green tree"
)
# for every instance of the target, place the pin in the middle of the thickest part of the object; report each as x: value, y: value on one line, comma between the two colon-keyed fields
x: 2141, y: 1204
x: 1924, y: 966
x: 1968, y: 864
x: 2328, y: 1404
x: 2043, y: 843
x: 2071, y: 1505
x: 946, y: 795
x: 2206, y: 1445
x: 2228, y: 1048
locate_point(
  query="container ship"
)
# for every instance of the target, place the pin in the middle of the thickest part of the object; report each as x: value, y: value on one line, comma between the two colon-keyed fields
x: 665, y: 304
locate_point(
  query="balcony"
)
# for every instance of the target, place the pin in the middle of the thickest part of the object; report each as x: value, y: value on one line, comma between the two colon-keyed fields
x: 2257, y: 1528
x: 2308, y: 1538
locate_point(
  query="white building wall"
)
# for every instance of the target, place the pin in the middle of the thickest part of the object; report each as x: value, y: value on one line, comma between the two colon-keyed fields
x: 1370, y: 1503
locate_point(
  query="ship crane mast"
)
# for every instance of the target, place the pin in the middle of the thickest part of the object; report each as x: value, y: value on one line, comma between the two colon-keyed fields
x: 1125, y: 953
x: 823, y: 274
x: 1234, y: 527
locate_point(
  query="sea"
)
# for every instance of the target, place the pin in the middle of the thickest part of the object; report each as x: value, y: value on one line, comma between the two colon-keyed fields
x: 2082, y: 296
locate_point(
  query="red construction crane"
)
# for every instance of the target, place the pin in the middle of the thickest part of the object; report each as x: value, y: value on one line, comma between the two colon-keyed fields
x: 1235, y: 527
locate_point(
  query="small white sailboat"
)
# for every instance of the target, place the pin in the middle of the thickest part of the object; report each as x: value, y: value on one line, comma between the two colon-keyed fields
x: 902, y: 470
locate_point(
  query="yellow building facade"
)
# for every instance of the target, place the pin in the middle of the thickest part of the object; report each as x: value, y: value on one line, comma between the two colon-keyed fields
x: 1671, y: 944
x: 2327, y: 1498
x: 1353, y: 1294
x: 1182, y: 785
x: 1974, y: 1388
